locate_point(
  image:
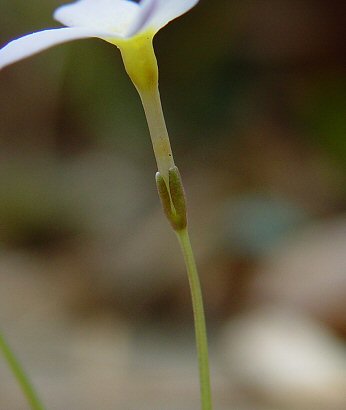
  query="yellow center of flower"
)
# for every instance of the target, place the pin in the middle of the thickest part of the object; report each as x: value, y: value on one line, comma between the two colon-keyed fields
x: 139, y: 59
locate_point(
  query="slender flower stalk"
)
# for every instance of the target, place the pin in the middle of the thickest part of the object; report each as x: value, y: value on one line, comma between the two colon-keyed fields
x: 131, y: 26
x: 19, y: 373
x: 173, y: 202
x: 198, y: 311
x: 170, y: 186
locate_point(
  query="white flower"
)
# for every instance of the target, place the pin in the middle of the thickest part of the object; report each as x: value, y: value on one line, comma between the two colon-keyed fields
x: 130, y: 26
x: 110, y: 20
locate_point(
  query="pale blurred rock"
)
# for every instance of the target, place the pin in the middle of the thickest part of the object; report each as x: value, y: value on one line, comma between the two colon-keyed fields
x: 287, y: 359
x: 91, y: 361
x: 63, y: 353
x: 308, y: 270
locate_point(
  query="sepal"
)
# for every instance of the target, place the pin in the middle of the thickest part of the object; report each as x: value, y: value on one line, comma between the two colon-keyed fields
x: 173, y: 198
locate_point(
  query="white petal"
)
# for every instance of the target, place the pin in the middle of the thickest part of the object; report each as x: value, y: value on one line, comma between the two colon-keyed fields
x: 168, y: 10
x: 34, y: 43
x: 147, y: 9
x: 116, y: 16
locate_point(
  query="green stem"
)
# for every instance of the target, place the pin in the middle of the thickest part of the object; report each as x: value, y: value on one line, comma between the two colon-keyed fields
x: 20, y: 375
x: 199, y: 317
x: 141, y: 65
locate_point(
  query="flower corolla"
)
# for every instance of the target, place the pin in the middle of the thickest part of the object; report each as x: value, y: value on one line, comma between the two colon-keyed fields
x: 110, y: 20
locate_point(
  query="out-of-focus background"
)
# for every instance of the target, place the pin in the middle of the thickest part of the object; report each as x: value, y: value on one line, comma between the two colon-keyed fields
x: 93, y: 294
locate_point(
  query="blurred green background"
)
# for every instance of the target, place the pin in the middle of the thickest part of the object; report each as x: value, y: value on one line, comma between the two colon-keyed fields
x: 93, y: 294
